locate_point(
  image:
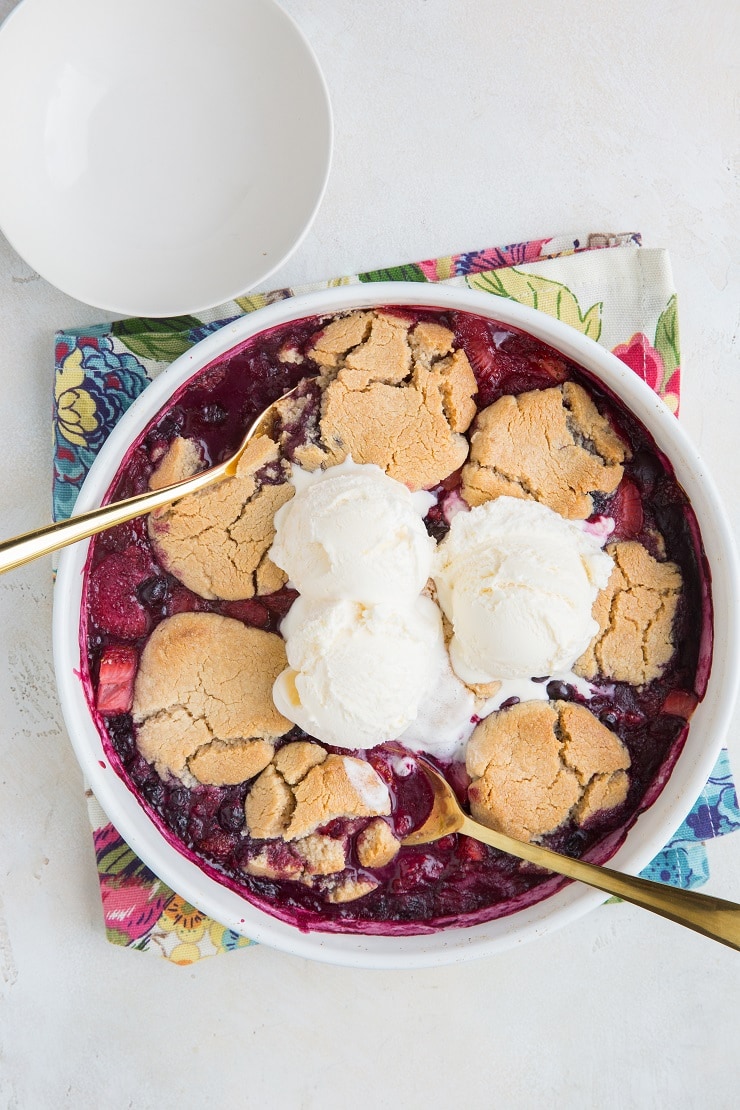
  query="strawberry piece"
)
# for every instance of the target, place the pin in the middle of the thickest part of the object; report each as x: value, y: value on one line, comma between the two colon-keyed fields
x: 513, y: 365
x: 452, y: 481
x: 114, y: 605
x: 116, y: 680
x: 459, y: 780
x: 183, y: 600
x: 626, y: 508
x: 555, y: 369
x: 281, y: 601
x: 217, y: 843
x: 123, y: 535
x: 471, y: 850
x: 415, y: 869
x: 250, y: 611
x: 680, y: 703
x: 476, y: 341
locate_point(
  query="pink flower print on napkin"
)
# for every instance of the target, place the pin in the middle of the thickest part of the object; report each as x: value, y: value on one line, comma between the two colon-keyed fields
x: 647, y: 362
x: 657, y: 363
x: 640, y: 355
x: 133, y: 897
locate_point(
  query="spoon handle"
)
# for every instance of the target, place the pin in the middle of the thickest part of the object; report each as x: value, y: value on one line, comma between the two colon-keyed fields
x: 30, y: 545
x: 705, y: 914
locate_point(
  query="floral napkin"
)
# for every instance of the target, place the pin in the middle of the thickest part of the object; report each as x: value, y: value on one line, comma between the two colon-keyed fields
x: 608, y: 287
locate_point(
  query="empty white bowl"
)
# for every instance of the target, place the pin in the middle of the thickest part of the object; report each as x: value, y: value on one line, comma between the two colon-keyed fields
x: 651, y: 830
x: 162, y: 157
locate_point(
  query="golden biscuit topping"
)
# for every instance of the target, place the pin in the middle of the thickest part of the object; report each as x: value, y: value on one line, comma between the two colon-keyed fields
x: 294, y: 761
x: 376, y: 844
x: 395, y: 396
x: 635, y: 613
x: 226, y: 763
x: 269, y: 805
x: 203, y: 698
x: 341, y: 786
x: 216, y: 541
x: 548, y: 445
x: 340, y: 336
x: 538, y: 763
x: 323, y: 855
x: 312, y: 856
x: 304, y: 788
x: 268, y: 865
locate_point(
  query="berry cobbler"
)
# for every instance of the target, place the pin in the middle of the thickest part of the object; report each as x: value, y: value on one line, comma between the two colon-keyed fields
x: 455, y: 544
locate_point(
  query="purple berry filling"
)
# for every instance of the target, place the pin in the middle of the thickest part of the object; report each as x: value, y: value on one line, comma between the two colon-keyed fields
x: 454, y: 881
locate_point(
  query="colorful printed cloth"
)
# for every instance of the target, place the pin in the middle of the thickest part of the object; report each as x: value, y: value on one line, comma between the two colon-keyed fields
x: 606, y: 286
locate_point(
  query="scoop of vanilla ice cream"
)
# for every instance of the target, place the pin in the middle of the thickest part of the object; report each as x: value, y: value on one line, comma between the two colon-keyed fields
x: 352, y: 532
x: 357, y: 673
x: 517, y: 582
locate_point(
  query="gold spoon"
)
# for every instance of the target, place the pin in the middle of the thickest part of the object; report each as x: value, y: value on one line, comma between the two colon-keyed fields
x: 713, y: 917
x: 30, y: 545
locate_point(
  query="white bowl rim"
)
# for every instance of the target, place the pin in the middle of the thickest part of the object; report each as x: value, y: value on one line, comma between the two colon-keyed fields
x: 194, y: 308
x: 656, y: 825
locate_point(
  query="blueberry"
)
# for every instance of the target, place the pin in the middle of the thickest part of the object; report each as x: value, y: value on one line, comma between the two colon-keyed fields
x: 196, y: 828
x: 139, y: 770
x: 154, y: 591
x: 171, y: 424
x: 559, y: 691
x: 231, y: 816
x: 179, y: 800
x: 213, y: 413
x: 645, y: 469
x: 575, y: 844
x: 178, y: 822
x: 121, y: 732
x: 153, y: 791
x: 509, y: 702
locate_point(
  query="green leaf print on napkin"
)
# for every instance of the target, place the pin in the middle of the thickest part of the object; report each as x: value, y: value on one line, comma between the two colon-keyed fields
x: 251, y: 304
x: 409, y: 272
x: 163, y: 340
x: 538, y: 292
x: 666, y: 337
x: 118, y: 859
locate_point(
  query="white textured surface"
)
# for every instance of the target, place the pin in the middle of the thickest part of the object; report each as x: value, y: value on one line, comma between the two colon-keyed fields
x: 457, y: 125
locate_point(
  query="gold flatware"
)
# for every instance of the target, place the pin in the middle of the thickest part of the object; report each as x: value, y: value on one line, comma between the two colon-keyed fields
x: 22, y: 549
x: 713, y: 917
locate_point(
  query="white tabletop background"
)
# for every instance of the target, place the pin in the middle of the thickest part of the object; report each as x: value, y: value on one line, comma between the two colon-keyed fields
x: 459, y: 124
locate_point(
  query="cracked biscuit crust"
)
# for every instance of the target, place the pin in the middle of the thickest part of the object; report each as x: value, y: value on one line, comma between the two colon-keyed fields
x: 315, y: 854
x: 203, y: 699
x: 549, y: 445
x: 216, y: 541
x: 304, y: 788
x: 376, y: 844
x: 394, y: 395
x: 538, y: 763
x: 635, y: 613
